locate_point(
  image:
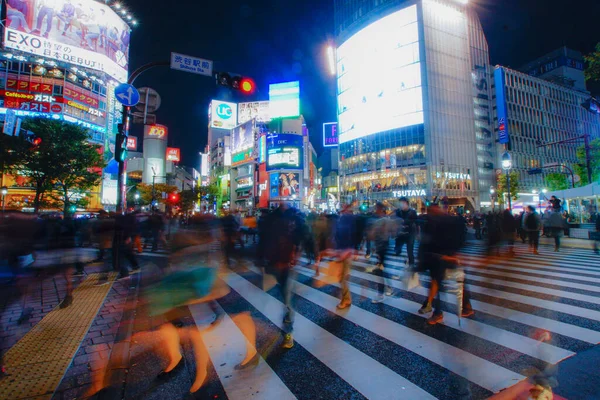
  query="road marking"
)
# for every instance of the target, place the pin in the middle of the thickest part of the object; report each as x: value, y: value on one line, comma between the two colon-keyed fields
x: 372, y: 379
x: 226, y: 346
x: 475, y: 369
x: 522, y: 344
x: 562, y: 328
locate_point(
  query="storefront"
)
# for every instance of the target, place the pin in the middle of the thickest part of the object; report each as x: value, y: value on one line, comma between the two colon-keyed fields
x: 581, y: 203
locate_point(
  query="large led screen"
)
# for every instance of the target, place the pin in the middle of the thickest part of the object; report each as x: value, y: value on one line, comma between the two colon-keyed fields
x: 81, y: 32
x: 284, y: 151
x: 379, y: 77
x: 284, y: 99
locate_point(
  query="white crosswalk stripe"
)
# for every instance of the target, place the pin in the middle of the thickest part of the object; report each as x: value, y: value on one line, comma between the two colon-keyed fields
x: 515, y: 299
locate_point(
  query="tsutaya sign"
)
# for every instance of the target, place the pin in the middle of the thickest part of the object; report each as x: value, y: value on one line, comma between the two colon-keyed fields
x: 454, y: 175
x: 410, y: 193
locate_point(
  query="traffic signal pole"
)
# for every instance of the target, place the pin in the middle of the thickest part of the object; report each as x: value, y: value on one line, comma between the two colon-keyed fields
x: 588, y: 155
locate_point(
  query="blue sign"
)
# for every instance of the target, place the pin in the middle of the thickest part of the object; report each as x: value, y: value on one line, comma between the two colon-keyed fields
x: 330, y: 134
x: 127, y: 95
x: 503, y: 134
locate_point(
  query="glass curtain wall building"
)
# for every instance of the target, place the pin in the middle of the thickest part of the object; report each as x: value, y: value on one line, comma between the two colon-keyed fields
x: 414, y: 102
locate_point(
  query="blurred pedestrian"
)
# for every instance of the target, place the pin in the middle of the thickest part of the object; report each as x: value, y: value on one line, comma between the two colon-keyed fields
x: 382, y: 231
x: 555, y: 225
x: 597, y: 241
x: 509, y: 229
x: 407, y: 231
x: 345, y: 240
x: 279, y: 236
x: 440, y: 241
x: 533, y: 227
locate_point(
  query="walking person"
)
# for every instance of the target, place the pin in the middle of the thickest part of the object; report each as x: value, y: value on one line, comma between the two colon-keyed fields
x: 345, y: 240
x: 440, y: 241
x: 278, y: 234
x: 509, y: 229
x: 381, y: 235
x: 533, y: 227
x: 555, y: 227
x: 407, y: 232
x: 597, y: 241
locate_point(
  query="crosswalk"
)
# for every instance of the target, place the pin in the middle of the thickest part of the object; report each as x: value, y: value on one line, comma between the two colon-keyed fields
x: 387, y: 351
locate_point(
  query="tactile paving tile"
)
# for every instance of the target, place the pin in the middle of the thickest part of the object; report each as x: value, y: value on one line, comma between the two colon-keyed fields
x: 37, y: 363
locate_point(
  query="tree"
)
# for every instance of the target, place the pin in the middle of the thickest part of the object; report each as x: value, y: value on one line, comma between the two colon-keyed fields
x: 581, y: 169
x: 557, y: 181
x: 65, y: 161
x: 592, y: 60
x: 189, y: 199
x: 514, y: 186
x: 146, y: 192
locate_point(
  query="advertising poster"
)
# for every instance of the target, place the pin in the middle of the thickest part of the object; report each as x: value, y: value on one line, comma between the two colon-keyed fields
x: 284, y: 185
x: 258, y: 110
x: 284, y: 99
x: 284, y: 151
x: 242, y: 137
x: 173, y: 154
x: 132, y: 143
x: 83, y: 32
x: 379, y: 77
x: 223, y: 115
x: 241, y: 158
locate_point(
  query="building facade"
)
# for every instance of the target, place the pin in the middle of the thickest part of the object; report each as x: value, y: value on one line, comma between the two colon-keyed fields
x: 537, y: 112
x: 414, y: 102
x: 55, y: 73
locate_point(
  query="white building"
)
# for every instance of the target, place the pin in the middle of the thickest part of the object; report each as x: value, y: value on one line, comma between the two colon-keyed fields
x: 414, y: 102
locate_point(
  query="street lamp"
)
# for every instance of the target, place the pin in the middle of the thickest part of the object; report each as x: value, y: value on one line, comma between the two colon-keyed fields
x: 4, y: 192
x: 493, y: 198
x: 507, y: 166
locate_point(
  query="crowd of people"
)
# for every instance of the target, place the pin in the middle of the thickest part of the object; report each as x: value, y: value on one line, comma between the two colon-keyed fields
x: 205, y: 246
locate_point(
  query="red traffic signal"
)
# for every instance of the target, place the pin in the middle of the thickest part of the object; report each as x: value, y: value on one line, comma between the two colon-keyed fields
x: 37, y: 141
x: 247, y: 86
x: 236, y: 82
x: 174, y: 197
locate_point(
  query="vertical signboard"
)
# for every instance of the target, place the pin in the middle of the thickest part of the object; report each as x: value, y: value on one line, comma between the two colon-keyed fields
x: 330, y: 134
x: 503, y: 133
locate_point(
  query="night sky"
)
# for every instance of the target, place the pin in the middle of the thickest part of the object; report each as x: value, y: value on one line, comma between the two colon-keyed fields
x: 277, y: 40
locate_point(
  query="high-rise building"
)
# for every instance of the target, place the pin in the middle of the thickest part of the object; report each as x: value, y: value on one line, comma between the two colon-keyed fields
x: 414, y: 102
x: 562, y: 66
x: 536, y: 112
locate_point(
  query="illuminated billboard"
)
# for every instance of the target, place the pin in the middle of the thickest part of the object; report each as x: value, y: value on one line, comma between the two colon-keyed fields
x: 155, y: 132
x: 284, y: 99
x: 132, y: 143
x: 223, y: 115
x: 173, y: 154
x: 242, y: 137
x: 330, y: 134
x: 284, y: 151
x: 83, y: 32
x: 284, y: 185
x: 258, y: 110
x: 379, y: 77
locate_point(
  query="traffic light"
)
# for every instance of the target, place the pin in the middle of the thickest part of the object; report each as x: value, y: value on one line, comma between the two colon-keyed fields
x: 174, y: 197
x: 236, y: 82
x: 120, y: 148
x: 364, y: 207
x: 33, y: 139
x: 535, y: 171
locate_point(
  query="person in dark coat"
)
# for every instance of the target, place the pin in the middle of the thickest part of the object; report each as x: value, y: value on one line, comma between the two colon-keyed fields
x: 440, y: 241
